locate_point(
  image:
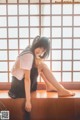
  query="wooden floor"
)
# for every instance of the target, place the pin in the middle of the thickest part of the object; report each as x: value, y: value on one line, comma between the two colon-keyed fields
x: 45, y: 106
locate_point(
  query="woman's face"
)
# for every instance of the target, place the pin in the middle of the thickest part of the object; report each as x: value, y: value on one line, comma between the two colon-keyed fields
x: 39, y: 51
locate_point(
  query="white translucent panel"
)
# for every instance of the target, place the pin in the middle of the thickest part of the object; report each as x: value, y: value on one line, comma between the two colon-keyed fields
x: 23, y: 43
x: 3, y: 44
x: 56, y: 20
x: 77, y: 9
x: 2, y: 9
x: 56, y: 9
x: 38, y: 79
x: 66, y: 76
x: 56, y: 32
x: 76, y: 43
x: 12, y: 21
x: 12, y: 9
x: 47, y: 63
x: 34, y: 32
x: 20, y: 51
x: 34, y: 1
x: 3, y: 55
x: 45, y: 32
x: 67, y: 32
x: 57, y: 76
x: 3, y: 33
x: 13, y: 55
x: 12, y: 1
x: 45, y: 9
x: 56, y: 43
x: 23, y: 9
x: 13, y: 32
x: 34, y: 9
x: 41, y: 79
x: 67, y: 9
x: 56, y: 55
x: 67, y: 54
x: 76, y: 76
x: 56, y: 66
x: 23, y: 21
x: 67, y: 20
x: 67, y: 43
x: 48, y: 58
x: 3, y: 77
x: 76, y: 32
x: 34, y: 21
x: 76, y: 20
x: 3, y: 21
x: 11, y: 65
x: 2, y: 1
x: 76, y: 66
x: 23, y: 32
x: 76, y: 54
x: 45, y: 1
x: 23, y: 1
x: 13, y: 44
x: 45, y: 21
x: 3, y: 66
x: 10, y: 77
x: 31, y: 41
x: 66, y: 66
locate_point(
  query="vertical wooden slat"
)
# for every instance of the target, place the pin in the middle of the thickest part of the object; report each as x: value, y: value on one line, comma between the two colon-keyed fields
x: 18, y: 25
x: 72, y: 39
x: 7, y: 39
x: 61, y: 41
x: 29, y: 19
x: 51, y: 34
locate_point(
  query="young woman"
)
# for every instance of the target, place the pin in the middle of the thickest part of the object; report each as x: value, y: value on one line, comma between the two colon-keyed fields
x: 28, y: 65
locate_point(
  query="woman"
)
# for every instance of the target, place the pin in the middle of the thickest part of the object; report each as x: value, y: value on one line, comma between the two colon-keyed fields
x: 28, y: 65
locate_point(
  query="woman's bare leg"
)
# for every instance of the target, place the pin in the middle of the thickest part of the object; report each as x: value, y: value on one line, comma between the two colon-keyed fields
x: 49, y: 86
x: 50, y: 77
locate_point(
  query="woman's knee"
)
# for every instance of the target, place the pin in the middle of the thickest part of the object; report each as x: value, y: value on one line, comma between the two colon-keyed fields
x: 42, y: 65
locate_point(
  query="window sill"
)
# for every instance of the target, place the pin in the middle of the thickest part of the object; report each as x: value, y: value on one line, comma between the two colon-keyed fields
x: 42, y: 86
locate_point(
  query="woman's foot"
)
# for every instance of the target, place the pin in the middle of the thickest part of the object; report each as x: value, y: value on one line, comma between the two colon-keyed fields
x: 65, y: 93
x: 51, y: 89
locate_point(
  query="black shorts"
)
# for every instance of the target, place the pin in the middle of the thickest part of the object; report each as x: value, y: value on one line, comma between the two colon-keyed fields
x: 17, y: 89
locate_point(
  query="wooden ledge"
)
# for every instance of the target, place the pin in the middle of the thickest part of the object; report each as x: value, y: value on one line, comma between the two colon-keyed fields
x: 41, y: 94
x: 45, y: 106
x: 42, y: 86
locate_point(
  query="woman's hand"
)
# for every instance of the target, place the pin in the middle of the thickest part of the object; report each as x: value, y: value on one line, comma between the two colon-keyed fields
x: 28, y: 106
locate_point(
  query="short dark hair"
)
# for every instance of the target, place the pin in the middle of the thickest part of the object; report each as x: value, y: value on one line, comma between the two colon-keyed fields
x: 41, y: 42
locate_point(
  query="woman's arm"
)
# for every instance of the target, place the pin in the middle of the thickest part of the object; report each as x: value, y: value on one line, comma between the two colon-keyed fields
x: 27, y: 84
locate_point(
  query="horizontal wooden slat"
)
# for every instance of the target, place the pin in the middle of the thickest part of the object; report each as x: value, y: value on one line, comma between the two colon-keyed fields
x: 42, y: 86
